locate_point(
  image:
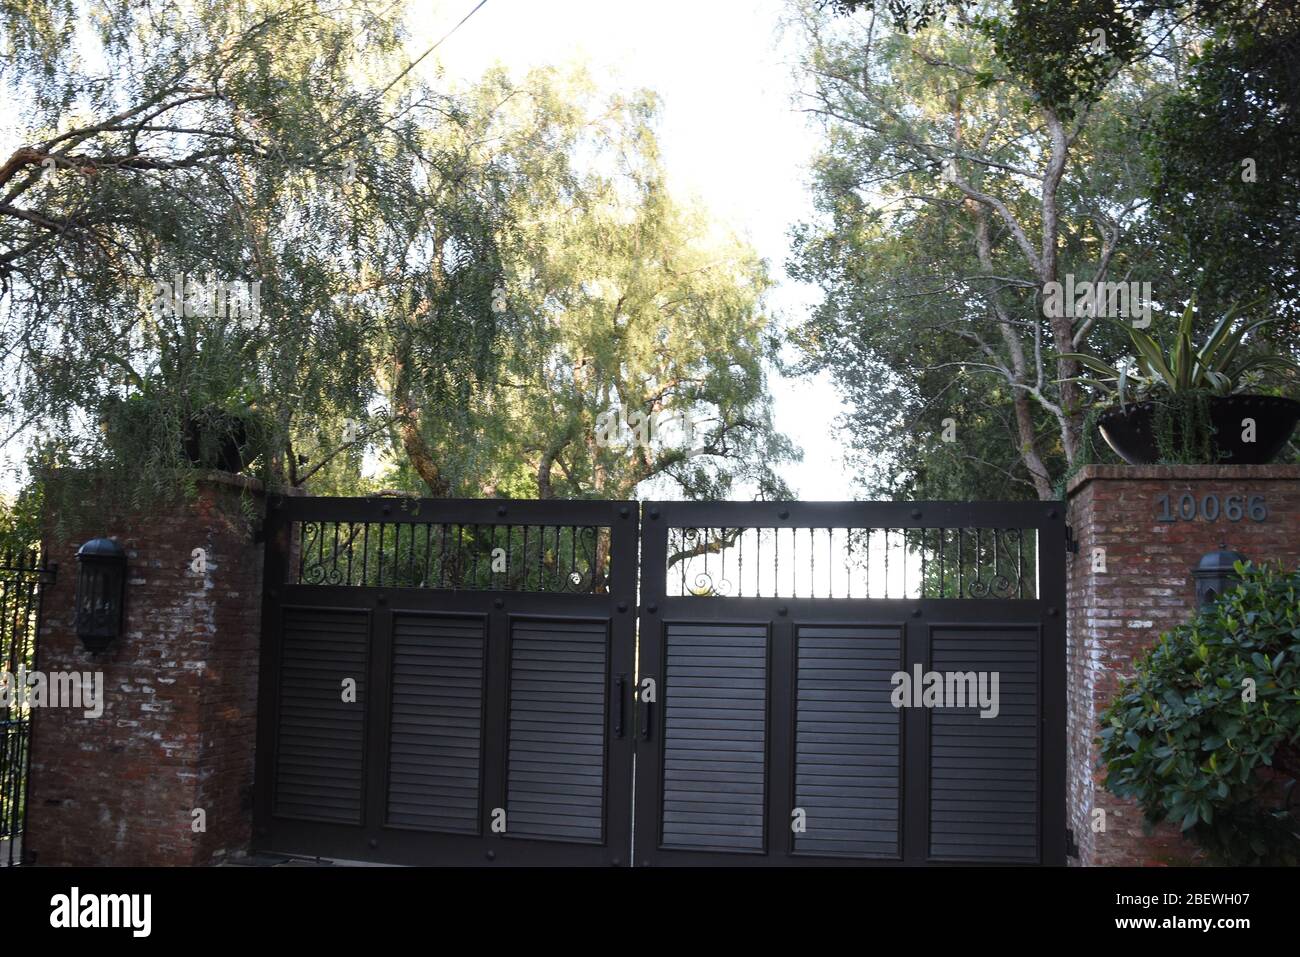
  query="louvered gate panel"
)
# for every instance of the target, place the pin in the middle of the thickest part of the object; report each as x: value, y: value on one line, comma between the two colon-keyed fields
x: 778, y: 635
x: 436, y: 734
x: 493, y: 644
x: 715, y: 737
x: 984, y: 771
x: 848, y: 741
x: 556, y: 758
x: 320, y: 758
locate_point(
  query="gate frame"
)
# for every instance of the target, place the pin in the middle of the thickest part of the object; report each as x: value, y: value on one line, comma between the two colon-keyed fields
x: 632, y: 655
x: 374, y: 840
x: 916, y: 617
x: 33, y: 571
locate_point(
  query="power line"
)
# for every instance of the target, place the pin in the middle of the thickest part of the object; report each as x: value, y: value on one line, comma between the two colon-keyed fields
x: 434, y: 47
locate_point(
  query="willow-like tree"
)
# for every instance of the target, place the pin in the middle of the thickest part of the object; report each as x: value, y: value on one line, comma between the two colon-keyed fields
x: 631, y: 305
x: 285, y: 142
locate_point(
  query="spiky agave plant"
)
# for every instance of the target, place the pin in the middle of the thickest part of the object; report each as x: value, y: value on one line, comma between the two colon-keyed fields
x: 1222, y: 365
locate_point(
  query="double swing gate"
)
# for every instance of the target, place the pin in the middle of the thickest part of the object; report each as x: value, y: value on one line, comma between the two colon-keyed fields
x: 478, y: 682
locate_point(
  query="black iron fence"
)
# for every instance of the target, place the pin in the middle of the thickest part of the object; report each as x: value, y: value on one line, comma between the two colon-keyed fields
x: 22, y: 576
x: 462, y: 556
x: 852, y: 562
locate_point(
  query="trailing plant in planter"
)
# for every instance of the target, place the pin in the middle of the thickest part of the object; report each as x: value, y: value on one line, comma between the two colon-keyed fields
x: 1189, y: 403
x: 1207, y: 733
x: 196, y: 405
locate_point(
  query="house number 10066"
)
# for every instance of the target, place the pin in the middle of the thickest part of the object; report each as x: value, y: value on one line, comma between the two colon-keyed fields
x: 1187, y: 508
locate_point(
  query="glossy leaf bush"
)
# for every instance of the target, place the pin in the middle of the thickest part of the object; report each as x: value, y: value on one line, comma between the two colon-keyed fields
x: 1206, y: 734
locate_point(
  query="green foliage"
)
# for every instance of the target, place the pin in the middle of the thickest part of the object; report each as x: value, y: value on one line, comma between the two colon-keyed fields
x: 977, y: 85
x: 20, y: 520
x: 1212, y: 709
x: 1093, y: 450
x: 1224, y: 364
x: 1183, y: 429
x: 288, y: 143
x: 932, y: 309
x: 1066, y: 51
x: 1224, y: 155
x: 635, y: 303
x: 258, y: 140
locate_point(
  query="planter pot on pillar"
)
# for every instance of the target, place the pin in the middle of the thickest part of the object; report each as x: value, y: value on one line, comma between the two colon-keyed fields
x: 1131, y: 432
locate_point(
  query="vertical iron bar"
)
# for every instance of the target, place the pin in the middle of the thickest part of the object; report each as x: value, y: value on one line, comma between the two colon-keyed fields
x: 961, y: 563
x: 740, y: 562
x: 942, y: 536
x: 473, y: 575
x: 812, y: 561
x: 923, y: 564
x: 442, y: 554
x: 887, y: 531
x: 458, y: 564
x: 1020, y: 563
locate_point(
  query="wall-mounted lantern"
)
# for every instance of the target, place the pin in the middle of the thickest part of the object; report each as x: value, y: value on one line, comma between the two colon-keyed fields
x: 1214, y: 574
x: 101, y: 592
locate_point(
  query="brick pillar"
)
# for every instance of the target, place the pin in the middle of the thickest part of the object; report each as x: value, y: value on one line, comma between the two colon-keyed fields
x: 1146, y: 589
x: 179, y: 719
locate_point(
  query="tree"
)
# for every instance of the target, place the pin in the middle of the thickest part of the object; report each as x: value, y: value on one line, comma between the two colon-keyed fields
x: 1225, y: 158
x: 953, y: 196
x: 1109, y: 168
x: 635, y: 308
x: 284, y: 142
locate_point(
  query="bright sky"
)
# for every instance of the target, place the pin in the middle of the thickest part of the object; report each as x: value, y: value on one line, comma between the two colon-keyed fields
x: 729, y: 135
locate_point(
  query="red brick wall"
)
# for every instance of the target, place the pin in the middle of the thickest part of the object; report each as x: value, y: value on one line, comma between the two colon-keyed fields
x: 177, y: 730
x: 1146, y: 589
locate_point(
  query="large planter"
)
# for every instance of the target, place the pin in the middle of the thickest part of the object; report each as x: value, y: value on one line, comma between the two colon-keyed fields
x: 1131, y: 432
x: 216, y: 439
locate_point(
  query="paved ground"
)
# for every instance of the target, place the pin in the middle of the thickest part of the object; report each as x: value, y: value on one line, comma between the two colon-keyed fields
x: 283, y: 860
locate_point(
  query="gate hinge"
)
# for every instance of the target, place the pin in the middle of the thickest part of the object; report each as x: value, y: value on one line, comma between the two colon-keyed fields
x: 1071, y: 543
x: 1071, y: 847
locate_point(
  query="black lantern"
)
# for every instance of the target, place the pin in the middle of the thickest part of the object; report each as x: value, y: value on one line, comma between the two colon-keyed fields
x: 1214, y: 574
x: 101, y: 590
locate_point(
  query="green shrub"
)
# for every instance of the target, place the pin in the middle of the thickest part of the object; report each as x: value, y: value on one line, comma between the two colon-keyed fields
x: 1212, y: 707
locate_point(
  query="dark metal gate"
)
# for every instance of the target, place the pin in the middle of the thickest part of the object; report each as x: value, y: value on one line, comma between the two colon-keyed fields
x: 457, y: 682
x: 448, y: 682
x: 770, y: 634
x: 22, y: 577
